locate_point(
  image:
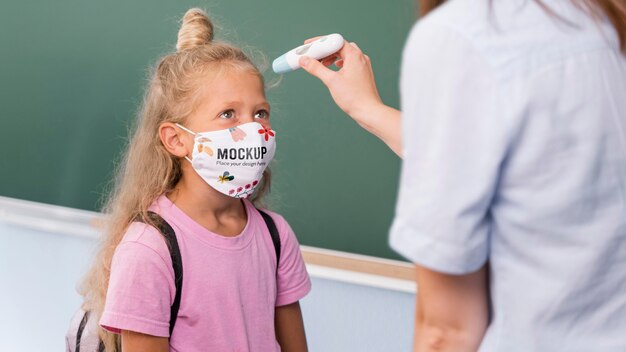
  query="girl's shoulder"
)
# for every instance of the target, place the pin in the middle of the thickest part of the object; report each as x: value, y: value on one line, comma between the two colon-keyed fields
x: 284, y: 229
x: 278, y: 218
x: 146, y: 237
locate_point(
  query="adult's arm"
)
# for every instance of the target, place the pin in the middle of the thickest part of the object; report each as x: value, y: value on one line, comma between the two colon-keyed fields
x: 452, y: 311
x: 354, y: 90
x: 457, y: 134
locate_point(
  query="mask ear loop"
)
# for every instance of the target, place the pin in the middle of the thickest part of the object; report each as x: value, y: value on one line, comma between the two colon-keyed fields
x: 188, y: 131
x: 185, y: 129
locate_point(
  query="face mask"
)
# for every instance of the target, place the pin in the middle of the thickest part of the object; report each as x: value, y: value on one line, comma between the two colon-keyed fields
x: 232, y: 160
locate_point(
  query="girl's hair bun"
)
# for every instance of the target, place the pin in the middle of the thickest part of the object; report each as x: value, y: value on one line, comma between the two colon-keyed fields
x: 196, y: 30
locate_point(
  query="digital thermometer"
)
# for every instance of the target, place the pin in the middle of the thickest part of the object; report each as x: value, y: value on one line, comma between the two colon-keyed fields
x: 317, y: 49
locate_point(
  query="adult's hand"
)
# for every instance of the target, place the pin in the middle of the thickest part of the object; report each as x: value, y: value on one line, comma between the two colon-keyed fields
x: 353, y: 89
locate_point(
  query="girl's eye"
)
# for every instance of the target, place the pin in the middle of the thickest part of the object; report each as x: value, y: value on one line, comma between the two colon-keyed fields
x: 262, y: 114
x: 228, y: 114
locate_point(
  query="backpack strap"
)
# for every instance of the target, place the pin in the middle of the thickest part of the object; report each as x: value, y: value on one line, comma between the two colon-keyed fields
x: 177, y: 262
x: 79, y: 332
x: 271, y: 226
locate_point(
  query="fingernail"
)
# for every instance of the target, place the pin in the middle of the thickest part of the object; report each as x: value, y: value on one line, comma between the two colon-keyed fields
x: 304, y: 61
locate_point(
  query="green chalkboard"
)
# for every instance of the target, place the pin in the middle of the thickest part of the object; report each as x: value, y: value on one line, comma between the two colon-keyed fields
x: 72, y: 72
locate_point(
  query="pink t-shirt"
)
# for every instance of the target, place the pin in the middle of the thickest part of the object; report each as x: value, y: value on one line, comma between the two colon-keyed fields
x: 230, y: 285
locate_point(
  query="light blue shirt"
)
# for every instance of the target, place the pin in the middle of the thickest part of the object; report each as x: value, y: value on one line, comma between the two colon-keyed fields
x: 514, y: 127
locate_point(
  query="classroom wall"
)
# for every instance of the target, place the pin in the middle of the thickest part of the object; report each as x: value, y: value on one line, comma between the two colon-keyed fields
x: 72, y: 74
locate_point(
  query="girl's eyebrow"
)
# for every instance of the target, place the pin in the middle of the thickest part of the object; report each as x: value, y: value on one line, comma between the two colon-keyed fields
x: 239, y: 102
x: 231, y: 103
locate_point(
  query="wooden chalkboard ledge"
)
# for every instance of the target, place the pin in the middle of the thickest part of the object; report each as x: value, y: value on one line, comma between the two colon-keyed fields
x: 321, y: 263
x: 360, y: 269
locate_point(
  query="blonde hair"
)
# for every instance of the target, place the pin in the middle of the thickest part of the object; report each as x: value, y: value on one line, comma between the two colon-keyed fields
x: 147, y: 169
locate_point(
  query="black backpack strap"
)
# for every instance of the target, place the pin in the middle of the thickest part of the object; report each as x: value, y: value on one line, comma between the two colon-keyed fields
x: 177, y: 262
x: 79, y: 333
x: 271, y: 226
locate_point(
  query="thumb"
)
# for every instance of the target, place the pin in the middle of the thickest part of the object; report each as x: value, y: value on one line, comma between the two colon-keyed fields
x: 316, y: 68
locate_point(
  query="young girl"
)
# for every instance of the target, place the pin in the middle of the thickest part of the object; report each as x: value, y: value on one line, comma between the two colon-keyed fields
x: 198, y: 158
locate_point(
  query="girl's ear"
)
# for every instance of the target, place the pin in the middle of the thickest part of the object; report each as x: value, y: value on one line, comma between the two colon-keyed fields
x: 175, y: 140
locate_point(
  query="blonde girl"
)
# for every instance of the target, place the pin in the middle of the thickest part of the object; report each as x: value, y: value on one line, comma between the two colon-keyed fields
x: 198, y: 158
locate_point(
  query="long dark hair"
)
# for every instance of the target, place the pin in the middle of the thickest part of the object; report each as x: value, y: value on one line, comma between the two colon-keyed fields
x: 613, y: 10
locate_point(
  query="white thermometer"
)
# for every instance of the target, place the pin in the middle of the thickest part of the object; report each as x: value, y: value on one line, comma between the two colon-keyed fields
x: 317, y: 49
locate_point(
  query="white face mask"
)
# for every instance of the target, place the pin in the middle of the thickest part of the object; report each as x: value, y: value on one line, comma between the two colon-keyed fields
x: 232, y: 160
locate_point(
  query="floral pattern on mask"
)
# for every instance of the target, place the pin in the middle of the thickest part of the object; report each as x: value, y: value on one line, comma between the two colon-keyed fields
x: 237, y: 134
x: 202, y: 147
x: 268, y: 133
x: 225, y: 177
x: 245, y: 191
